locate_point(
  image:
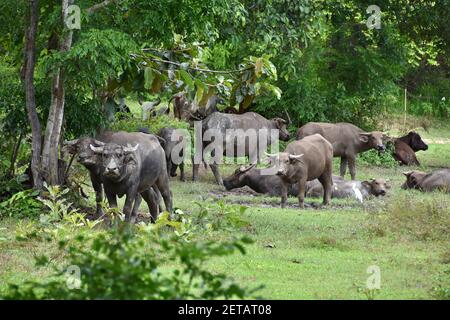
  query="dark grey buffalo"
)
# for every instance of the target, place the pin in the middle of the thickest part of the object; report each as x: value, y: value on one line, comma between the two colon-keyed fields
x: 436, y: 180
x: 240, y: 135
x: 305, y: 160
x: 347, y: 140
x: 187, y: 110
x: 407, y: 146
x: 172, y: 140
x: 132, y: 170
x: 349, y: 189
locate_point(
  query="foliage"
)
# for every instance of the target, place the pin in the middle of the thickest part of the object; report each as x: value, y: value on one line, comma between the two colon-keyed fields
x: 21, y: 204
x: 441, y: 290
x: 424, y: 220
x: 153, y: 124
x: 375, y: 158
x: 120, y: 264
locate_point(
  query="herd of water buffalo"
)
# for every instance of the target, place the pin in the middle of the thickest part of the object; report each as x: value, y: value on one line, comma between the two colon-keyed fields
x: 138, y: 165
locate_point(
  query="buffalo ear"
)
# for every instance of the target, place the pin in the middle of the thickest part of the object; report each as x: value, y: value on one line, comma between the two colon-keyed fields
x: 407, y: 173
x: 364, y: 137
x: 366, y: 184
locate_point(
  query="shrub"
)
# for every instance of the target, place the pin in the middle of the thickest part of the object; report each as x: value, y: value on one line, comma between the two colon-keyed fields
x: 122, y: 264
x: 23, y: 204
x: 375, y: 158
x: 154, y: 124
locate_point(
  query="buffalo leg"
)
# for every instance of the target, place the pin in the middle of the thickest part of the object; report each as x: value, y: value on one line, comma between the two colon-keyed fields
x: 98, y: 188
x: 112, y: 200
x: 152, y: 200
x: 352, y: 167
x: 182, y: 177
x: 343, y: 168
x: 137, y: 204
x: 327, y: 183
x: 301, y: 193
x: 129, y: 201
x: 215, y: 170
x: 284, y: 194
x: 163, y: 185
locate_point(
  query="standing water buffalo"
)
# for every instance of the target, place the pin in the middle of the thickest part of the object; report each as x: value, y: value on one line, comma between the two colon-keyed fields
x: 90, y: 160
x: 347, y: 140
x: 168, y: 143
x: 305, y: 160
x: 406, y: 146
x: 235, y: 131
x: 349, y: 189
x: 436, y: 180
x: 133, y: 170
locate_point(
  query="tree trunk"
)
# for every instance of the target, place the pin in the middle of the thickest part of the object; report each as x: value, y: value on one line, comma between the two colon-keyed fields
x: 50, y: 154
x: 30, y: 93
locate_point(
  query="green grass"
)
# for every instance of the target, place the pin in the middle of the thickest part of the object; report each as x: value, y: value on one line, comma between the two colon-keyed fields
x: 313, y: 253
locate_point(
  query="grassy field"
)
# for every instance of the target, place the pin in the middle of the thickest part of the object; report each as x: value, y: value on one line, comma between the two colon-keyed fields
x: 315, y: 253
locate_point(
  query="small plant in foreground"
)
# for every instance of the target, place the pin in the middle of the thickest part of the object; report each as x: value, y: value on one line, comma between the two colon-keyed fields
x: 122, y: 264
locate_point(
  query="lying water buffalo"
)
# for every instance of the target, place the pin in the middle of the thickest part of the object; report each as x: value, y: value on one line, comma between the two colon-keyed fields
x: 305, y: 160
x: 253, y: 178
x: 240, y: 134
x: 133, y: 170
x: 169, y: 143
x: 406, y: 146
x: 436, y: 180
x: 347, y: 140
x: 349, y: 189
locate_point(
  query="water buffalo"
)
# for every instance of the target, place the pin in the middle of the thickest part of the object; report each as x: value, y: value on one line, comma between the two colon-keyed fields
x: 236, y: 133
x: 406, y: 146
x: 347, y: 139
x: 170, y: 142
x: 253, y: 178
x: 186, y: 110
x: 436, y: 180
x: 133, y: 170
x: 349, y: 189
x: 305, y: 160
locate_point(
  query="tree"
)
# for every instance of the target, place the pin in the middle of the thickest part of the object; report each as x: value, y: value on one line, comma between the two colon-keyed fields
x: 30, y: 60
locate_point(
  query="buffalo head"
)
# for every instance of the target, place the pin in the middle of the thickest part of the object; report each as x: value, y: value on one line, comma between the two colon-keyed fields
x: 415, y: 142
x: 281, y: 125
x: 285, y: 163
x: 374, y: 140
x: 81, y: 146
x: 236, y: 180
x: 377, y: 187
x: 116, y: 159
x: 413, y: 179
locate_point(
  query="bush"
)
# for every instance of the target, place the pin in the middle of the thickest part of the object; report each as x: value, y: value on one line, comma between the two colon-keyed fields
x: 154, y: 124
x: 375, y: 158
x: 23, y: 204
x: 122, y: 264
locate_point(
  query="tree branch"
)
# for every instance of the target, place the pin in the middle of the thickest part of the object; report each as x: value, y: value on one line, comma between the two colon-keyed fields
x: 99, y: 6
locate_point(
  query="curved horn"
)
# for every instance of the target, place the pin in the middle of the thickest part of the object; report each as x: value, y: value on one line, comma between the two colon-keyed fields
x: 71, y: 142
x: 99, y: 143
x: 407, y: 173
x: 161, y: 139
x: 96, y: 149
x: 243, y: 169
x: 131, y: 149
x: 288, y: 117
x: 271, y: 155
x: 295, y: 156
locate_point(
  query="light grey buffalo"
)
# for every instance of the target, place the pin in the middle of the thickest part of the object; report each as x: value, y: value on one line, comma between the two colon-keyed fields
x: 436, y: 180
x: 347, y: 139
x: 305, y: 160
x: 236, y: 136
x: 350, y: 189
